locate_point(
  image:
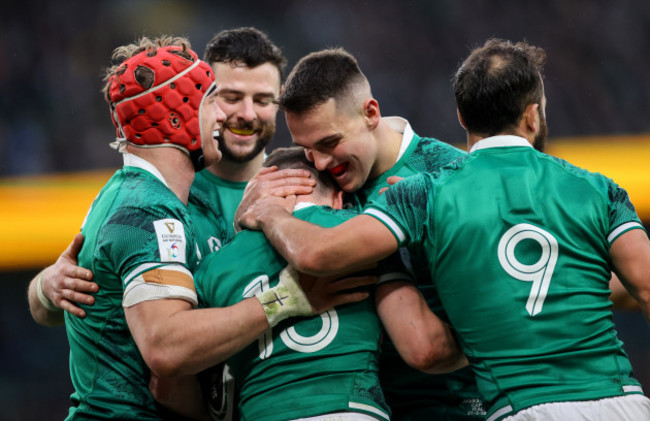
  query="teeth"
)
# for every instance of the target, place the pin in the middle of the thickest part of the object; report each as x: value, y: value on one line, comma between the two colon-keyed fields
x: 215, y: 134
x: 243, y: 132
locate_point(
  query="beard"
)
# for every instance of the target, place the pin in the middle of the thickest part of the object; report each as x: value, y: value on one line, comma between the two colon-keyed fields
x: 539, y: 142
x: 265, y: 132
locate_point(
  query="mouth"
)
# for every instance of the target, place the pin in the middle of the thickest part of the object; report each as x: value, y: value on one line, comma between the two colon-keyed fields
x: 242, y: 132
x: 339, y: 169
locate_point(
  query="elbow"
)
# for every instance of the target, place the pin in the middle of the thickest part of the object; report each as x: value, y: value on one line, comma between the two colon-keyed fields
x: 161, y: 359
x: 311, y: 260
x: 422, y: 358
x: 435, y: 356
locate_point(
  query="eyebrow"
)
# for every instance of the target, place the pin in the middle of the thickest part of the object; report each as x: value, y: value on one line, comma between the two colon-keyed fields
x: 256, y: 95
x: 329, y: 138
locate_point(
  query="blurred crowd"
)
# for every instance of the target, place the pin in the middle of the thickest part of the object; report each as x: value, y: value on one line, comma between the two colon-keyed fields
x: 53, y: 119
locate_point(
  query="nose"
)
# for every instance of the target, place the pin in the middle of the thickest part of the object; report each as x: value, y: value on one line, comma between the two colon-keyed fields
x: 246, y: 110
x: 320, y: 160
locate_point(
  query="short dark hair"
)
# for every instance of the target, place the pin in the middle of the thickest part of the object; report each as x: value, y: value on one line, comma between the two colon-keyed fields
x: 496, y: 83
x: 294, y: 157
x: 244, y: 45
x: 319, y: 76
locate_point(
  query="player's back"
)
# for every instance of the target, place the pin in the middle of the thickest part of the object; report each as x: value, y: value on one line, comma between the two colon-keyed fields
x: 520, y: 250
x: 304, y: 366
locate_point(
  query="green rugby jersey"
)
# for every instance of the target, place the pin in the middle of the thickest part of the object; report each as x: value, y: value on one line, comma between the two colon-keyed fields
x: 411, y: 394
x: 518, y: 243
x: 304, y: 366
x: 135, y: 225
x: 212, y: 205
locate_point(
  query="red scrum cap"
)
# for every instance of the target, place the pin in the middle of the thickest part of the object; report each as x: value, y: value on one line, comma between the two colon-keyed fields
x: 156, y: 97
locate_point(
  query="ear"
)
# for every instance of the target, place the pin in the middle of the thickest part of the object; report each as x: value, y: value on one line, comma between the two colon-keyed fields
x: 531, y: 118
x: 460, y: 119
x: 371, y: 113
x: 337, y: 202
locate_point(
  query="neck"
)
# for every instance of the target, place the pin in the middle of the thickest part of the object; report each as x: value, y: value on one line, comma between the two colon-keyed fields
x: 237, y: 171
x: 473, y: 138
x: 389, y: 142
x: 174, y: 165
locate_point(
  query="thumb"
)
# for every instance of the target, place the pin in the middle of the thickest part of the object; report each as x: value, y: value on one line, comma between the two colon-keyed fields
x: 73, y: 249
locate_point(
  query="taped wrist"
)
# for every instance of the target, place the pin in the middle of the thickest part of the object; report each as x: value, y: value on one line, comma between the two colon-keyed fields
x: 286, y: 299
x: 47, y: 303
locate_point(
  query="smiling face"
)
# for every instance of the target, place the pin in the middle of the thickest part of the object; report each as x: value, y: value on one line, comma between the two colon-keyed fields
x: 336, y: 140
x: 212, y: 119
x: 246, y: 96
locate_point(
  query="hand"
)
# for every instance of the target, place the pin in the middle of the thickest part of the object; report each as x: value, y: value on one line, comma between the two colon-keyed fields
x: 325, y: 293
x: 393, y: 179
x: 66, y: 284
x: 265, y: 207
x: 270, y: 182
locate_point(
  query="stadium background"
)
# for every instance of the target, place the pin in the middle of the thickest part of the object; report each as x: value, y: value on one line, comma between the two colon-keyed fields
x: 55, y: 129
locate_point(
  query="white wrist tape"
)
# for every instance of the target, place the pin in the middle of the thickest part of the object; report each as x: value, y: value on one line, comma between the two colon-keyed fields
x: 286, y: 299
x: 49, y: 305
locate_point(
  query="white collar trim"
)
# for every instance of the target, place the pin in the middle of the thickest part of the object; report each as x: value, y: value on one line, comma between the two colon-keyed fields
x: 401, y: 125
x: 500, y: 142
x: 131, y: 160
x: 303, y: 205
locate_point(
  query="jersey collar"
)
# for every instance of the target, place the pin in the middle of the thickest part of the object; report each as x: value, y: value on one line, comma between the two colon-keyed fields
x: 401, y: 125
x: 500, y: 142
x: 303, y: 205
x: 131, y: 160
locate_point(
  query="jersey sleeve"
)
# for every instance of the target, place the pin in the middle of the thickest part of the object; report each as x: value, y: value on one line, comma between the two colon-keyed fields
x: 403, y: 208
x: 152, y: 253
x: 393, y: 269
x: 622, y: 215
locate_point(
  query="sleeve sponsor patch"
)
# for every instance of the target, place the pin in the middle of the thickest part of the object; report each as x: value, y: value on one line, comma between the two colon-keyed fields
x: 171, y: 240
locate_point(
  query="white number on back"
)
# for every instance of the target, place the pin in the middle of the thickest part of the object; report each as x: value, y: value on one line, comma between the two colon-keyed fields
x: 538, y: 273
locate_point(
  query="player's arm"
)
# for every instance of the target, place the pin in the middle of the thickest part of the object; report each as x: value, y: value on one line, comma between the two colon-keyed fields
x: 176, y: 340
x: 269, y: 181
x: 359, y: 241
x: 631, y: 258
x: 424, y: 342
x: 181, y: 395
x: 620, y: 297
x: 60, y: 286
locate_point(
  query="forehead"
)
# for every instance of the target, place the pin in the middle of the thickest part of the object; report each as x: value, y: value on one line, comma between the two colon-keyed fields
x: 319, y: 123
x: 264, y: 78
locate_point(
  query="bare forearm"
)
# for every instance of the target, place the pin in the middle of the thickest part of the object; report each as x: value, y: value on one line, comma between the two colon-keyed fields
x: 181, y: 394
x: 327, y: 251
x: 422, y: 339
x: 189, y: 341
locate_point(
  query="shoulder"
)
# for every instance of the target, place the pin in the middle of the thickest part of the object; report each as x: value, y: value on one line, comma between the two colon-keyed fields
x: 325, y: 215
x: 430, y: 154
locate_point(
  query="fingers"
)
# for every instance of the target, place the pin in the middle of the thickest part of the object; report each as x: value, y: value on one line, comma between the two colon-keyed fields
x: 290, y: 173
x: 80, y: 285
x: 72, y: 309
x: 83, y: 274
x: 285, y: 191
x: 73, y: 249
x: 352, y: 282
x: 349, y: 297
x: 393, y: 179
